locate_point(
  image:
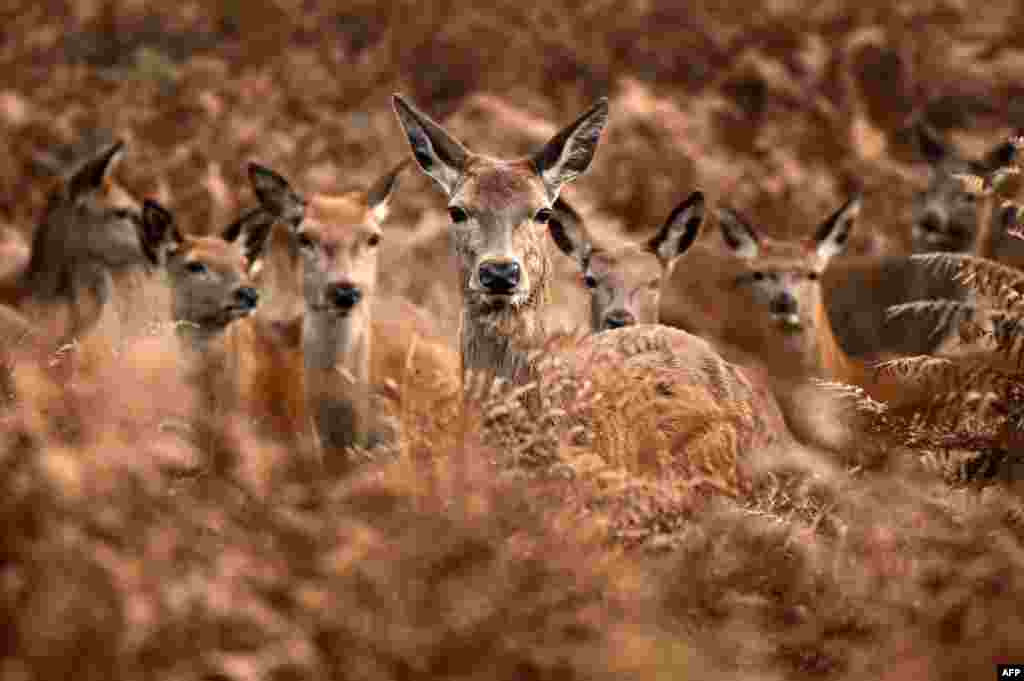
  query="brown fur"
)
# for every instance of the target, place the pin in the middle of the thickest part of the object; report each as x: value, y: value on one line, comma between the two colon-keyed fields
x: 87, y: 234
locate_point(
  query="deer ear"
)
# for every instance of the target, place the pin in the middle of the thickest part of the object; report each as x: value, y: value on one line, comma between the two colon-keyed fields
x: 930, y: 146
x: 276, y: 195
x: 568, y: 154
x: 438, y: 154
x: 568, y: 232
x: 93, y: 173
x: 378, y: 198
x: 254, y: 227
x: 680, y: 229
x: 999, y: 156
x: 157, y: 233
x: 739, y: 236
x: 833, y: 234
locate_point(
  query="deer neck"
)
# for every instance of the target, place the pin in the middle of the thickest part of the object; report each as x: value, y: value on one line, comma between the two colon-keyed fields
x: 211, y: 362
x: 499, y: 344
x: 336, y: 356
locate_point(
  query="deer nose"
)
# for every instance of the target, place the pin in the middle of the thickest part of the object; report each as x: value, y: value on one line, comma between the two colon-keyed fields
x: 783, y: 304
x: 499, y: 276
x: 344, y: 296
x: 247, y: 296
x: 618, y: 319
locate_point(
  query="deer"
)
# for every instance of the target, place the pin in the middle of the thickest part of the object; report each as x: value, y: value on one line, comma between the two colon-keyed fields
x: 88, y: 234
x: 337, y: 238
x: 211, y: 291
x: 500, y: 214
x: 625, y: 279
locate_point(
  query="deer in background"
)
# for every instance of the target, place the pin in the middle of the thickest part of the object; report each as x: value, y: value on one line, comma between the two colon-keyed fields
x: 337, y: 237
x: 500, y: 212
x: 88, y: 233
x: 625, y: 280
x: 210, y: 291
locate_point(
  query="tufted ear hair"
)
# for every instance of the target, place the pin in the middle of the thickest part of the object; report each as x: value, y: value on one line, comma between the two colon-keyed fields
x: 739, y: 236
x: 568, y: 154
x: 96, y: 171
x: 833, y: 234
x: 438, y: 154
x: 158, y: 234
x: 680, y: 229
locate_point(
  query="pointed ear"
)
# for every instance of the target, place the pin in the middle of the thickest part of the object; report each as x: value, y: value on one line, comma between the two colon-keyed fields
x: 94, y: 172
x: 157, y: 232
x: 566, y: 229
x: 930, y: 146
x: 438, y: 154
x: 999, y: 156
x: 738, y: 235
x: 833, y: 234
x: 569, y: 153
x: 254, y: 228
x: 276, y: 195
x: 680, y: 229
x: 378, y: 198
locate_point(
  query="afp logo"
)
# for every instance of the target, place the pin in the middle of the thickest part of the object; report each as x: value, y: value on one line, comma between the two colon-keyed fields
x: 1011, y: 671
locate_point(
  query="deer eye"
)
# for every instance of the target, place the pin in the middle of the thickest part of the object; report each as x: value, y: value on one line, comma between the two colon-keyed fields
x: 813, y: 276
x: 457, y: 214
x: 589, y: 280
x: 305, y: 241
x: 195, y: 267
x: 542, y: 216
x: 373, y: 240
x: 758, y: 276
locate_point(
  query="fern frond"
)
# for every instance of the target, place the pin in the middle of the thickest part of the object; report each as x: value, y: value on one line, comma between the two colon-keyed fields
x: 1002, y: 284
x: 948, y: 314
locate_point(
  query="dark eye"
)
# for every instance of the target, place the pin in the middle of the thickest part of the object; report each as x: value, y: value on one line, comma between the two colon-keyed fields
x: 969, y: 198
x: 589, y: 280
x: 813, y: 276
x: 124, y: 214
x: 457, y: 214
x: 195, y: 267
x: 542, y: 216
x: 758, y: 276
x: 305, y: 241
x: 373, y: 240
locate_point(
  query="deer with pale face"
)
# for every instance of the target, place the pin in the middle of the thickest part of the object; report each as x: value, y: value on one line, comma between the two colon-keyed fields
x: 625, y: 281
x: 337, y: 237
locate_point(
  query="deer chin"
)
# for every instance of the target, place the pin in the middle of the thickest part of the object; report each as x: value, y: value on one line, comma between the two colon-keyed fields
x: 494, y: 303
x: 789, y: 323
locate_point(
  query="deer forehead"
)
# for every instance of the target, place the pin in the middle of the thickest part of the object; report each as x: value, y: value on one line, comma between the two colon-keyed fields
x: 632, y: 264
x: 492, y: 186
x: 341, y: 219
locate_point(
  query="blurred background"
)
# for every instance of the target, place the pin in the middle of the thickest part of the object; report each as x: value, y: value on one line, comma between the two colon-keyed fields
x: 779, y: 108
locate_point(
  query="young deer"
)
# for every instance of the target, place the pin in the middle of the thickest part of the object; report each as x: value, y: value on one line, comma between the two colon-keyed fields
x: 338, y: 238
x: 625, y: 280
x: 500, y: 213
x: 210, y: 291
x: 88, y: 233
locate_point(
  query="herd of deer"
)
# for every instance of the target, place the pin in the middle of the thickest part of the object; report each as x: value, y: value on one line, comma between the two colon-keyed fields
x: 312, y: 261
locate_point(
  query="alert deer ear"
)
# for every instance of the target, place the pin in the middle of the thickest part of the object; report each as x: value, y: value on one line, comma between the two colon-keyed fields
x: 568, y: 154
x: 568, y: 232
x: 834, y: 234
x: 680, y: 229
x: 739, y: 236
x: 158, y: 234
x: 378, y: 198
x: 96, y: 171
x: 254, y: 227
x: 930, y: 146
x: 276, y: 195
x: 438, y: 154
